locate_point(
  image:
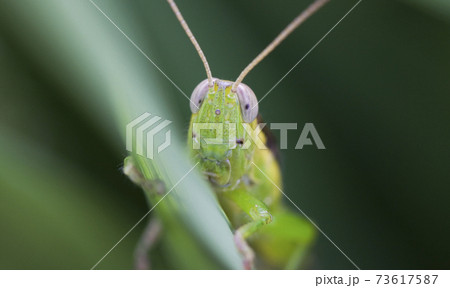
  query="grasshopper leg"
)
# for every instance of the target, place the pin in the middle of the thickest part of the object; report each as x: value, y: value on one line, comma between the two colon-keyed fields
x: 148, y: 239
x: 259, y: 215
x: 152, y: 186
x: 154, y: 227
x: 284, y: 244
x: 245, y: 250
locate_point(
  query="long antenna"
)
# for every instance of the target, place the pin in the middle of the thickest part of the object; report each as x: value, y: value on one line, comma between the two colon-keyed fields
x: 193, y: 40
x: 288, y: 30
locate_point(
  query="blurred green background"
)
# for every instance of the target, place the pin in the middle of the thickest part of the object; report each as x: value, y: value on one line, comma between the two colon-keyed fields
x: 377, y: 89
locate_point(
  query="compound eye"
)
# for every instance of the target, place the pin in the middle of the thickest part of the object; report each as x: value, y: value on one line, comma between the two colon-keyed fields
x: 248, y: 101
x: 199, y: 95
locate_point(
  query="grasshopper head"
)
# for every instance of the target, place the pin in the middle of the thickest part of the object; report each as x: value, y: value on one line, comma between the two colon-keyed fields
x: 217, y: 134
x: 223, y: 106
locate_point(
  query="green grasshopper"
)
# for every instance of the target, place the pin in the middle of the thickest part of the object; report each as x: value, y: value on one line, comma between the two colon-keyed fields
x: 246, y: 177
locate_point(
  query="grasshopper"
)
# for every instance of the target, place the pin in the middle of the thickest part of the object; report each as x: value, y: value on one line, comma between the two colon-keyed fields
x: 246, y: 177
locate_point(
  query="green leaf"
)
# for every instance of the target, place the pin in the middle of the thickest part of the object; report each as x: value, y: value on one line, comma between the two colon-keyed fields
x: 113, y: 83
